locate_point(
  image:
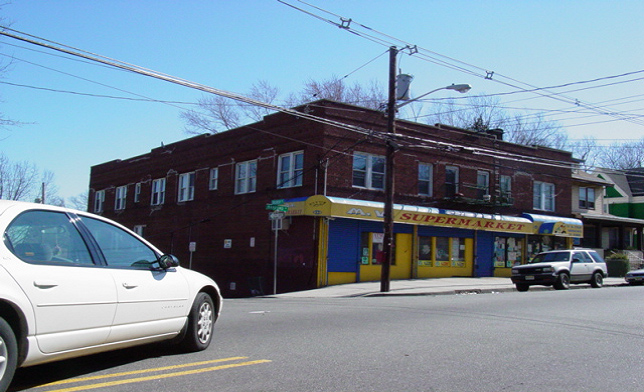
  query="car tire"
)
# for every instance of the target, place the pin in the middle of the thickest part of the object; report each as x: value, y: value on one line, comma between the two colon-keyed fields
x: 597, y: 280
x: 562, y: 282
x: 201, y: 322
x: 522, y: 287
x: 8, y: 354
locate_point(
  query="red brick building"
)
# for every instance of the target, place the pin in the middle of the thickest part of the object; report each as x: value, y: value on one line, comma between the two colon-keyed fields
x: 213, y: 190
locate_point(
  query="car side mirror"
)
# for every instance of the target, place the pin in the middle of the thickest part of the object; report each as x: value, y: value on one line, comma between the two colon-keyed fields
x: 168, y: 261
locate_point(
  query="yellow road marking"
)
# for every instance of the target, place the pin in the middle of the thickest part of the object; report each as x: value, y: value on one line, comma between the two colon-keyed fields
x: 75, y: 380
x: 153, y: 377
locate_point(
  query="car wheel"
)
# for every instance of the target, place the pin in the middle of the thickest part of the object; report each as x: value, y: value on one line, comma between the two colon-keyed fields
x: 201, y: 322
x: 597, y: 281
x: 563, y: 281
x: 8, y: 355
x: 522, y: 287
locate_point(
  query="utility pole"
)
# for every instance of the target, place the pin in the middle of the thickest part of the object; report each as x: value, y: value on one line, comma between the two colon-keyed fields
x: 388, y: 245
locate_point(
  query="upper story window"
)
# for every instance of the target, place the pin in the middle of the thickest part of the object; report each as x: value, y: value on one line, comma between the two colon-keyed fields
x: 368, y: 171
x: 483, y: 184
x: 543, y: 196
x: 137, y: 192
x: 291, y: 168
x: 245, y: 177
x: 505, y: 186
x: 99, y: 201
x: 158, y: 192
x: 451, y: 181
x: 425, y: 179
x: 186, y: 187
x: 213, y: 183
x: 587, y: 198
x: 119, y: 197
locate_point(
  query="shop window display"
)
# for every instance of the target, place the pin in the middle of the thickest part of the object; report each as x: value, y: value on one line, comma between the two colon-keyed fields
x: 508, y: 251
x: 441, y: 252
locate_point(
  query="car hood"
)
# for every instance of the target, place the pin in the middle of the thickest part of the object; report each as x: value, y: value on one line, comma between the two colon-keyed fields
x: 540, y: 265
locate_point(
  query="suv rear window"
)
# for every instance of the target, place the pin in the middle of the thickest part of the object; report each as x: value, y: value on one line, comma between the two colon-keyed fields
x: 596, y: 257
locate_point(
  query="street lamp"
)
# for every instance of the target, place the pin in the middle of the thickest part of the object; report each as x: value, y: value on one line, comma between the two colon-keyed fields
x: 388, y: 245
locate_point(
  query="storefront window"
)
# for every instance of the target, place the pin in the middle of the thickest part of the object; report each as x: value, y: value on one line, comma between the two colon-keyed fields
x: 425, y: 251
x: 457, y: 256
x: 371, y: 249
x: 443, y: 251
x: 544, y: 243
x: 508, y: 251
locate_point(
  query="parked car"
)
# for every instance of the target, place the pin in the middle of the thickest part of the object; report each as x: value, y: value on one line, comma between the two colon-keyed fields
x: 560, y: 268
x: 635, y: 277
x: 74, y: 283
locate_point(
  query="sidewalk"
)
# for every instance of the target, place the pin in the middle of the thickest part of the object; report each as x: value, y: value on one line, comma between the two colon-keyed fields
x: 438, y: 286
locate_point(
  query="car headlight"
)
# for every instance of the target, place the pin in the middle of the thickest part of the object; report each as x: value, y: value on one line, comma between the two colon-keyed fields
x: 515, y: 271
x: 628, y: 275
x: 548, y: 269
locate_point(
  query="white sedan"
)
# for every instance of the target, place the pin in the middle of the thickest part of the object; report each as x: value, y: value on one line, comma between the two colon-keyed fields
x: 74, y: 283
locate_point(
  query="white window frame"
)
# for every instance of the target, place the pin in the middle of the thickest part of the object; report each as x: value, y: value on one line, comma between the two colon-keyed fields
x: 137, y: 192
x: 245, y: 177
x: 157, y: 194
x: 186, y: 187
x: 120, y: 197
x: 425, y: 182
x: 543, y: 196
x: 371, y: 176
x: 99, y: 201
x: 213, y: 182
x: 290, y: 170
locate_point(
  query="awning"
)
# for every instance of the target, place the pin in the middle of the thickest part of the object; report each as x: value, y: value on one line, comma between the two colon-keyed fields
x: 319, y: 205
x: 613, y: 219
x: 556, y: 225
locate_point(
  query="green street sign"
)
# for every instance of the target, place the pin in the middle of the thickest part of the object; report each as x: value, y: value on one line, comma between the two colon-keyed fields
x: 275, y: 207
x: 277, y: 201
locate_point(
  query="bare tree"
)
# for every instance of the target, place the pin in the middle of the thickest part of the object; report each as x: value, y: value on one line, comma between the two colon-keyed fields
x: 535, y: 132
x: 586, y: 150
x: 482, y: 113
x: 18, y: 181
x: 622, y: 156
x: 5, y: 122
x: 216, y: 113
x: 80, y: 202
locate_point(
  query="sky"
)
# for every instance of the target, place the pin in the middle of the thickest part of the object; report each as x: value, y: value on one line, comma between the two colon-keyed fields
x: 77, y: 113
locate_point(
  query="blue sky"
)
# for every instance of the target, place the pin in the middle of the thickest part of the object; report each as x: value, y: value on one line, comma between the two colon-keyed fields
x: 230, y: 45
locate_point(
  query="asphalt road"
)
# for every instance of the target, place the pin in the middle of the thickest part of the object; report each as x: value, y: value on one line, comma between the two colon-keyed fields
x: 576, y: 340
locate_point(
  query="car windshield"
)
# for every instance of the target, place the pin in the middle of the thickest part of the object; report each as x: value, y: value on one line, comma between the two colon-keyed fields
x: 554, y: 256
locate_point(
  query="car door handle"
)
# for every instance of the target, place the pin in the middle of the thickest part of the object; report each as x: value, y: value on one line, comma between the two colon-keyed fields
x: 45, y: 284
x: 129, y: 285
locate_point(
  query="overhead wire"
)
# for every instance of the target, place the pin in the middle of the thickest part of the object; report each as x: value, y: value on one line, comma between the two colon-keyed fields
x: 452, y: 63
x: 150, y: 73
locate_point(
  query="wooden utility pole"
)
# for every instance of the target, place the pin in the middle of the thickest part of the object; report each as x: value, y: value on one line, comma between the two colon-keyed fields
x: 388, y: 243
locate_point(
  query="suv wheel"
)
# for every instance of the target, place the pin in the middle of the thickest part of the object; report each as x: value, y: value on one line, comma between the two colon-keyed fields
x: 522, y: 287
x: 598, y: 280
x: 563, y: 281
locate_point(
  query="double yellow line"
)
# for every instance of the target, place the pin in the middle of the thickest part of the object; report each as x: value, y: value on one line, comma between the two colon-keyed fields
x: 152, y: 377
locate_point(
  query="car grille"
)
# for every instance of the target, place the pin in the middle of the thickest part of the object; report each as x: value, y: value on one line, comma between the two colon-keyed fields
x: 530, y: 271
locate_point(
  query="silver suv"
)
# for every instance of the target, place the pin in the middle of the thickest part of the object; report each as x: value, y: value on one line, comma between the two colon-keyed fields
x: 560, y: 268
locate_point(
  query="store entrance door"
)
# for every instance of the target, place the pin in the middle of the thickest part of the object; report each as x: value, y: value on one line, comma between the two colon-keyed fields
x: 402, y: 267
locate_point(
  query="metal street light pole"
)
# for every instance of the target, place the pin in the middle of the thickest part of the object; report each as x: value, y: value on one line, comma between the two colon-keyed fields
x: 388, y: 241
